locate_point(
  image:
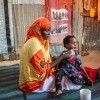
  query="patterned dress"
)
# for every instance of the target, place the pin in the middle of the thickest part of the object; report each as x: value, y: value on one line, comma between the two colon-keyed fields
x: 70, y: 68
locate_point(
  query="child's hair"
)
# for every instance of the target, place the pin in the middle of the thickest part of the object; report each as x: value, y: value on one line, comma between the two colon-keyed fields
x: 66, y: 40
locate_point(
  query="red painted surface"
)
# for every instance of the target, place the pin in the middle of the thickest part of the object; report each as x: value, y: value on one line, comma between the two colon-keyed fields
x: 57, y: 5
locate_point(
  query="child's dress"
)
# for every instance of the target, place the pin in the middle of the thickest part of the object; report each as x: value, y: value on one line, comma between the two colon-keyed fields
x: 71, y: 68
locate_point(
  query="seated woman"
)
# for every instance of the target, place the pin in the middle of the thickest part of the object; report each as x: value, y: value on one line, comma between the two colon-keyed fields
x: 35, y: 60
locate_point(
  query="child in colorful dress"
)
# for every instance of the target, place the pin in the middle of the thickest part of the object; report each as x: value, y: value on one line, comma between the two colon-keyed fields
x: 72, y: 67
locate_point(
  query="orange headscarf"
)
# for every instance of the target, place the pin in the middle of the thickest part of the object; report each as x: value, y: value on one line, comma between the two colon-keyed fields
x: 35, y: 29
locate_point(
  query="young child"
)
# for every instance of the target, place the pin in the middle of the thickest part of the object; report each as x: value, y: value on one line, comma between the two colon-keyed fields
x: 71, y: 67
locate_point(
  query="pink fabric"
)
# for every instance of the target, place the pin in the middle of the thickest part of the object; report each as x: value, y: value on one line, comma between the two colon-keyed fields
x: 73, y: 60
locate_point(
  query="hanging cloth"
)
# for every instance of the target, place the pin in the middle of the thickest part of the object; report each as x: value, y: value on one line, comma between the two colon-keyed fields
x: 98, y: 10
x: 87, y: 4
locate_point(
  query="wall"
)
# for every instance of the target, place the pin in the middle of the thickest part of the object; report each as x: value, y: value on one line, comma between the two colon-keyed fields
x: 77, y: 24
x: 3, y: 41
x: 21, y: 15
x: 77, y: 27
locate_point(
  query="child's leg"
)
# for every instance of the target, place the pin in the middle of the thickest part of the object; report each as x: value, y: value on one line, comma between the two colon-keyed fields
x: 58, y: 79
x: 77, y: 80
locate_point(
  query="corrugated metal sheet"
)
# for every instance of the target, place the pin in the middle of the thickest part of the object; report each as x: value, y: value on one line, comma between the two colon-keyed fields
x: 24, y: 13
x: 91, y: 34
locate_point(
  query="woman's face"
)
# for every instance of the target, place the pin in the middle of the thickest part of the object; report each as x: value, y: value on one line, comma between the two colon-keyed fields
x: 45, y: 33
x: 72, y: 44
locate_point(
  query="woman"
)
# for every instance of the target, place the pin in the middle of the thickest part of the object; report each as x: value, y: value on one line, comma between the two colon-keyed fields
x: 35, y: 61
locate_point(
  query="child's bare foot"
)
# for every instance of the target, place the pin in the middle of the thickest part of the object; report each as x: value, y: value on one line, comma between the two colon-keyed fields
x: 89, y: 82
x: 58, y: 92
x: 98, y: 72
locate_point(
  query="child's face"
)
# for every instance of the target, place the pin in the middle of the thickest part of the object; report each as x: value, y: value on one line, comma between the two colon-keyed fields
x: 72, y: 44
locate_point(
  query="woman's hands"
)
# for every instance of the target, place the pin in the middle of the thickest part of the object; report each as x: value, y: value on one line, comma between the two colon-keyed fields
x: 62, y: 56
x: 66, y: 55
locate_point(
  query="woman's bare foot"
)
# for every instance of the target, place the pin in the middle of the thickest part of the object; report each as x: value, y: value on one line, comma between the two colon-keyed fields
x: 58, y: 92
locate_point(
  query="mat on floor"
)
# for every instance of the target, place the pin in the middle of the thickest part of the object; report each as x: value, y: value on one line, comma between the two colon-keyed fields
x: 9, y: 88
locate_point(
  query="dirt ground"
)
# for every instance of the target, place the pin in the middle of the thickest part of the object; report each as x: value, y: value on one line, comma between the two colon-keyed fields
x: 91, y: 60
